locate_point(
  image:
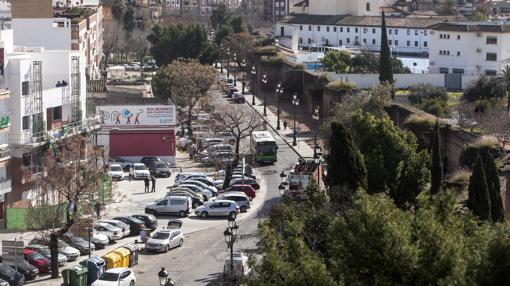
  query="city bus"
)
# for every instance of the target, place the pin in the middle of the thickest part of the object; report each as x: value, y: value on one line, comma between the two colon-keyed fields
x: 263, y: 147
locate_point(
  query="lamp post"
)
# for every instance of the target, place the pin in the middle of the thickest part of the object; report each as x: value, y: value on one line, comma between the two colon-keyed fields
x: 235, y: 71
x: 295, y: 103
x: 316, y: 117
x: 253, y: 74
x: 228, y: 62
x: 221, y: 58
x: 243, y: 69
x: 230, y: 235
x: 164, y: 280
x: 264, y: 82
x: 279, y: 91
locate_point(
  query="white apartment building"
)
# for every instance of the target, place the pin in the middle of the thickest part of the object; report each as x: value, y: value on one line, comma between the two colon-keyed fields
x: 470, y: 48
x: 405, y: 35
x: 342, y: 7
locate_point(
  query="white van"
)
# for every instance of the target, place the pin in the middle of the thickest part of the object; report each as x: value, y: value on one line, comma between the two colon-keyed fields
x: 175, y: 205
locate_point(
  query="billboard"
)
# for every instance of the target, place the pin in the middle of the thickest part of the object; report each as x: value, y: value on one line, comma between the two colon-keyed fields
x: 137, y: 116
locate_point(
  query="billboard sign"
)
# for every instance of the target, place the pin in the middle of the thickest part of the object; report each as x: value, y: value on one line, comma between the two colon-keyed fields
x: 137, y: 116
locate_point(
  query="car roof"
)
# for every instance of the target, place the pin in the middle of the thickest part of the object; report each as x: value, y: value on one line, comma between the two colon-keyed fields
x: 117, y: 270
x: 138, y: 164
x: 180, y: 197
x: 115, y: 165
x: 111, y: 221
x: 168, y: 230
x: 242, y: 194
x: 224, y: 201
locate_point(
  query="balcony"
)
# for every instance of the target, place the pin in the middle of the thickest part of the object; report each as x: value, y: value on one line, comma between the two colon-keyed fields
x: 5, y: 186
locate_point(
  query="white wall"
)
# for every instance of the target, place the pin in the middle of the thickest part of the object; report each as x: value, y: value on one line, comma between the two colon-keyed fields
x: 347, y: 7
x: 401, y: 80
x: 42, y: 33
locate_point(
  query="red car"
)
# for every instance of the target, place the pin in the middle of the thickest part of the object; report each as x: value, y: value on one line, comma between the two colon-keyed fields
x: 247, y: 189
x: 42, y: 263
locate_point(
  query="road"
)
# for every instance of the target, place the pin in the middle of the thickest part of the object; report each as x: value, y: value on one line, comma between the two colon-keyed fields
x: 200, y: 261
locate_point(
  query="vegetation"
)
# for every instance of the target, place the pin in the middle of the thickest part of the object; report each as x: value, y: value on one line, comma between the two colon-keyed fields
x: 337, y: 61
x: 484, y: 91
x: 479, y: 201
x: 178, y: 41
x: 493, y: 185
x: 436, y: 181
x: 220, y: 15
x: 468, y: 156
x: 338, y: 85
x: 429, y: 98
x: 385, y: 66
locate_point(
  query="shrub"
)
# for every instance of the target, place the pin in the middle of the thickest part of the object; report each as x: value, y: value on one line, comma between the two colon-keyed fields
x: 299, y: 67
x: 338, y: 85
x: 468, y: 156
x: 429, y: 98
x: 485, y: 88
x: 434, y: 106
x: 418, y: 123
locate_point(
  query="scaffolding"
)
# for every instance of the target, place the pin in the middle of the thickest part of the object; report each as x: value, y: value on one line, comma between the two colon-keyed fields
x: 75, y: 89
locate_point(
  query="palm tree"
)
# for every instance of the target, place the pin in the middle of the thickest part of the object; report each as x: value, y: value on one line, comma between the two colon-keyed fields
x: 504, y: 77
x: 447, y: 7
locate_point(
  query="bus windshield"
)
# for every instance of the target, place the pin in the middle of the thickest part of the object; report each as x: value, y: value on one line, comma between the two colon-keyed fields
x: 268, y: 148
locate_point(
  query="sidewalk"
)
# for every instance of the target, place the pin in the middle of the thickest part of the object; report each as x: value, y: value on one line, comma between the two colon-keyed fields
x: 304, y: 143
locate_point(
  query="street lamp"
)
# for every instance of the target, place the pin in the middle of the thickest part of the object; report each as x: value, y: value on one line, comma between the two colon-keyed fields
x: 253, y: 74
x: 221, y: 58
x: 230, y: 235
x: 164, y: 280
x: 235, y: 72
x: 316, y: 117
x: 228, y: 62
x: 243, y: 69
x: 264, y: 82
x: 295, y: 103
x: 279, y: 91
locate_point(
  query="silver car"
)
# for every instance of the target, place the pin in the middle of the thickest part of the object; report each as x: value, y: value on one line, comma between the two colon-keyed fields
x: 117, y: 223
x: 218, y: 208
x: 164, y: 240
x: 240, y: 198
x: 113, y: 233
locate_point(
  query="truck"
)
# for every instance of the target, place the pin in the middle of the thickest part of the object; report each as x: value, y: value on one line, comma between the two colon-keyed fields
x: 305, y: 172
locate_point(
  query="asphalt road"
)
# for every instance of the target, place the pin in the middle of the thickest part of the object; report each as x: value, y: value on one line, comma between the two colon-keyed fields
x: 200, y: 261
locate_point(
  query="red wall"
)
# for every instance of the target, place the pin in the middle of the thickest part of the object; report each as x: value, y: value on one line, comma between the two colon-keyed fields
x: 142, y: 143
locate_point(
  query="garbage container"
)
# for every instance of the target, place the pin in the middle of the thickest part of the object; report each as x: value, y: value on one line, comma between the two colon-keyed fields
x: 112, y: 260
x: 96, y: 266
x: 124, y: 256
x: 133, y: 257
x: 75, y: 276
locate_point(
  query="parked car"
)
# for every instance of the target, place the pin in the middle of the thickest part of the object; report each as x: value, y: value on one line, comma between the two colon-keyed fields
x: 114, y: 233
x: 240, y: 198
x: 119, y: 224
x: 139, y: 171
x: 70, y: 252
x: 218, y: 208
x: 207, y: 142
x: 206, y: 180
x: 198, y: 183
x: 3, y: 282
x: 36, y: 259
x: 181, y: 205
x: 221, y: 158
x: 159, y: 169
x: 246, y: 181
x: 116, y: 277
x: 239, y: 173
x: 125, y: 164
x: 116, y: 172
x: 197, y: 189
x: 147, y: 160
x: 99, y: 240
x: 79, y: 243
x: 28, y: 270
x: 10, y: 275
x: 45, y: 250
x: 247, y: 189
x: 196, y: 200
x: 164, y: 240
x: 238, y: 97
x: 214, y: 149
x: 135, y: 225
x: 183, y: 176
x: 150, y: 221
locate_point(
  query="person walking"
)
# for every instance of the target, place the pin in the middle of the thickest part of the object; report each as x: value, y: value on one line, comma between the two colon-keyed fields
x: 146, y: 181
x: 153, y: 180
x: 98, y: 210
x: 284, y: 125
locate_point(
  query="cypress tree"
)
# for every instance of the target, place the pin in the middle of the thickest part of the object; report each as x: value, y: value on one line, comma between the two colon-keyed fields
x: 436, y: 183
x: 385, y: 68
x: 478, y: 192
x: 346, y: 169
x: 493, y: 184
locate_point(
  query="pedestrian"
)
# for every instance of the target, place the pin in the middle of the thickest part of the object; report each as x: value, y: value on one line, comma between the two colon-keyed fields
x: 146, y: 181
x: 284, y: 125
x: 98, y: 210
x: 142, y: 235
x: 153, y: 180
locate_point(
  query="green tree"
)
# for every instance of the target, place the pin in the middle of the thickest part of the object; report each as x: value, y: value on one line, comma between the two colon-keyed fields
x: 337, y: 61
x: 178, y: 41
x: 493, y: 184
x: 129, y: 20
x: 238, y: 24
x: 118, y: 9
x: 223, y: 32
x: 504, y: 77
x: 345, y: 165
x: 392, y: 159
x: 479, y: 201
x: 220, y: 16
x: 436, y: 181
x: 485, y: 89
x: 367, y: 62
x: 447, y: 7
x: 385, y: 67
x: 429, y: 98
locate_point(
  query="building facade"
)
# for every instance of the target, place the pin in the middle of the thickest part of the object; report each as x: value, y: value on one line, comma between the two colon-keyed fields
x: 405, y: 35
x: 470, y: 48
x: 342, y: 7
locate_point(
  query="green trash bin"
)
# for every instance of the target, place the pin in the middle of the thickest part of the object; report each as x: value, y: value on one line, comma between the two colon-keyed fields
x: 75, y: 276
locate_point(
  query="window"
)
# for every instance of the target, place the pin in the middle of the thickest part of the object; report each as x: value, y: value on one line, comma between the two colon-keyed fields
x: 309, y: 28
x: 318, y: 28
x: 24, y: 88
x: 390, y: 31
x: 416, y: 32
x: 425, y: 32
x: 355, y: 30
x: 448, y: 36
x: 27, y: 159
x: 458, y: 37
x: 162, y: 203
x: 396, y: 31
x: 25, y: 122
x: 300, y: 40
x: 492, y: 40
x: 443, y: 70
x: 491, y: 57
x: 458, y: 71
x: 364, y: 41
x: 57, y: 113
x: 373, y: 30
x: 341, y: 29
x: 373, y: 41
x: 327, y: 28
x: 408, y: 32
x: 396, y: 42
x: 408, y: 43
x: 425, y: 44
x: 389, y: 42
x: 348, y: 30
x: 301, y: 27
x: 309, y: 41
x: 176, y: 202
x: 368, y: 6
x: 490, y: 72
x: 334, y: 29
x: 340, y: 42
x: 415, y: 43
x: 458, y: 54
x: 348, y: 40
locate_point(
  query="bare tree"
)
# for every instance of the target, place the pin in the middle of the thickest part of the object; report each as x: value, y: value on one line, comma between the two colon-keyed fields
x: 240, y: 124
x: 465, y: 114
x: 496, y: 123
x: 139, y: 44
x: 113, y: 34
x: 67, y: 189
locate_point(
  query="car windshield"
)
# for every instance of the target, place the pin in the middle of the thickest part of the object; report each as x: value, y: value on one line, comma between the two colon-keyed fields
x: 108, y: 227
x: 160, y: 165
x: 116, y: 168
x: 161, y: 235
x: 109, y: 276
x: 140, y: 167
x: 35, y: 256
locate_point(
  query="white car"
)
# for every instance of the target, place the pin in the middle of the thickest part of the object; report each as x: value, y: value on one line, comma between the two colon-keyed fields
x: 100, y: 240
x: 117, y: 223
x: 113, y: 233
x: 116, y: 172
x: 139, y: 171
x: 164, y: 240
x: 116, y: 277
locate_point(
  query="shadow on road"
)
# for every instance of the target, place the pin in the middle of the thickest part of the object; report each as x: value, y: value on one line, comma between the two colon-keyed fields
x: 213, y: 279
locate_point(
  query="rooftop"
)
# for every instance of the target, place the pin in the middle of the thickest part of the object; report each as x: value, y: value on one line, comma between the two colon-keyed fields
x: 367, y: 21
x: 487, y: 26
